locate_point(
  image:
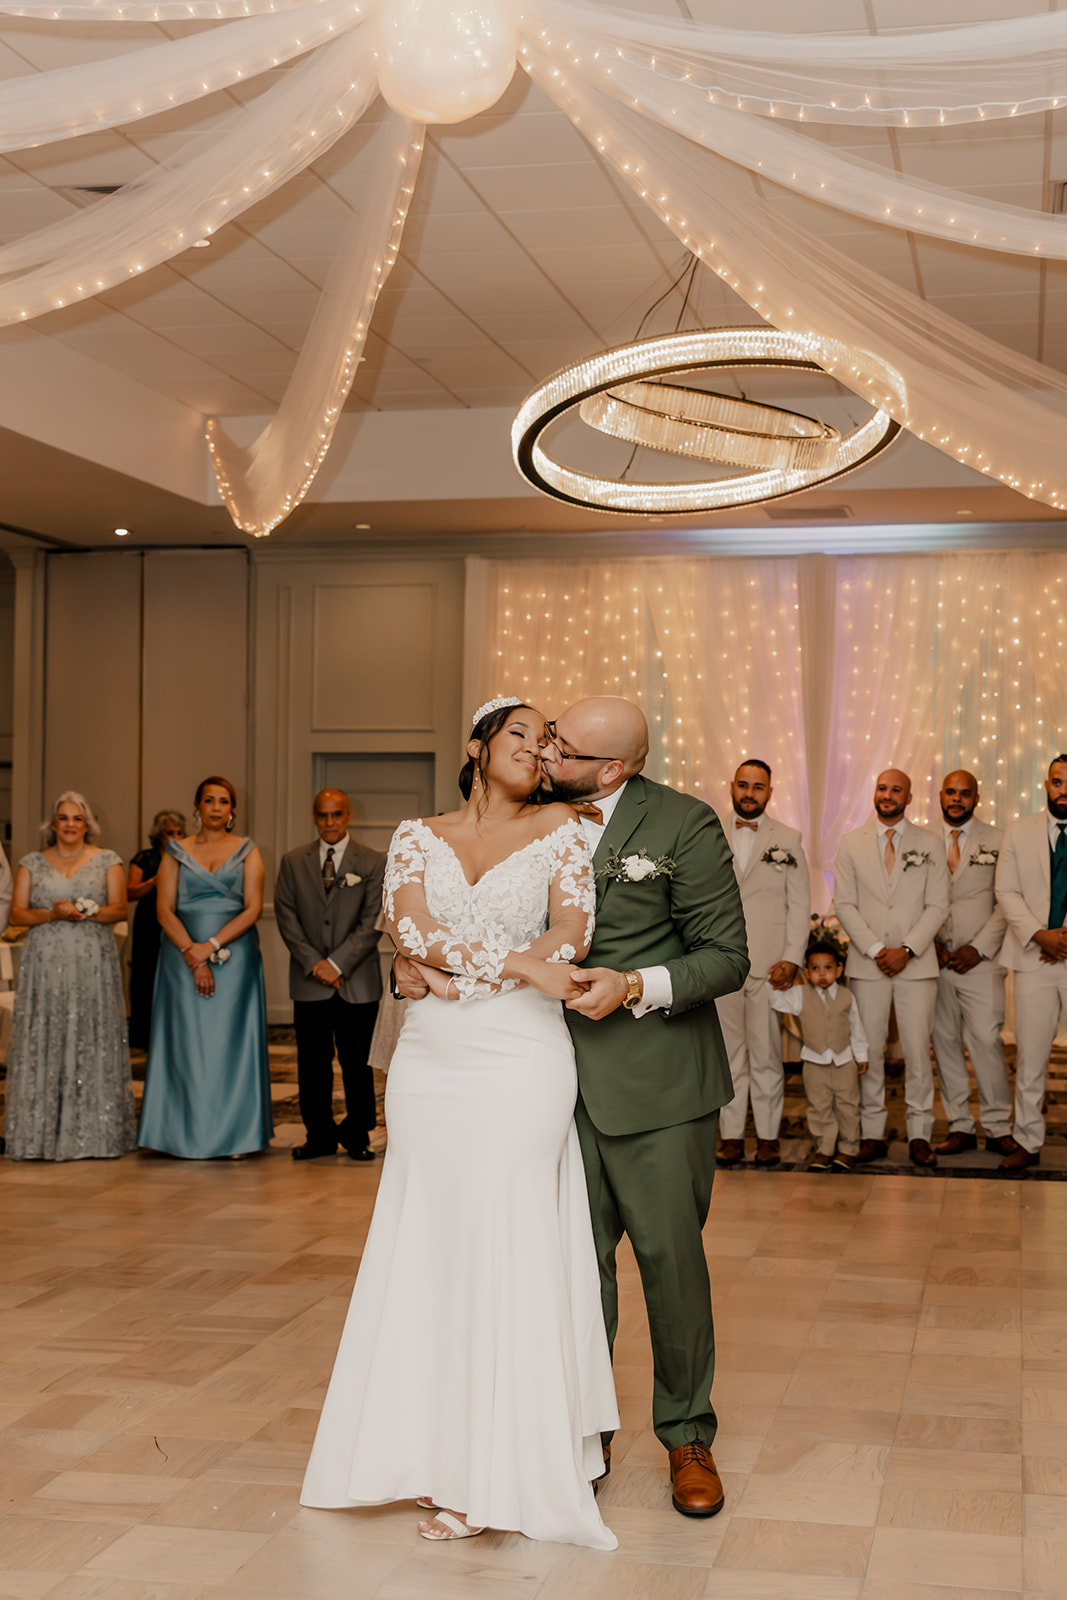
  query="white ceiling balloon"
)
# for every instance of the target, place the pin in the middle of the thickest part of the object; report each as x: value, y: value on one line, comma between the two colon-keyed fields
x: 685, y: 112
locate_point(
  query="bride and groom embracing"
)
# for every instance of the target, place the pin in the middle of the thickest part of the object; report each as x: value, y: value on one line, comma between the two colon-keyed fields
x: 539, y: 1108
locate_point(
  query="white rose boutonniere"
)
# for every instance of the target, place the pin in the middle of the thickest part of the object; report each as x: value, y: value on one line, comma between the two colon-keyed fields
x: 985, y: 857
x: 916, y: 858
x: 87, y: 907
x: 350, y: 880
x: 636, y: 868
x: 779, y: 857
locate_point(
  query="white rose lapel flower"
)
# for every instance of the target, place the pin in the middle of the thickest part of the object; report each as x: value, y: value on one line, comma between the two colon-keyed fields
x: 779, y: 857
x: 916, y: 858
x: 87, y: 907
x: 350, y: 880
x: 635, y: 868
x: 985, y: 857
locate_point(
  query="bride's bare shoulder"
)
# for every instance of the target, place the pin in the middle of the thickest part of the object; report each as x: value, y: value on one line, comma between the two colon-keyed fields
x: 554, y: 815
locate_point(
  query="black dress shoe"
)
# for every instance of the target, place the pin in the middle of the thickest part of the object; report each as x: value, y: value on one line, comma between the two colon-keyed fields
x: 920, y: 1154
x: 956, y: 1143
x: 312, y: 1152
x: 872, y: 1150
x: 366, y: 1154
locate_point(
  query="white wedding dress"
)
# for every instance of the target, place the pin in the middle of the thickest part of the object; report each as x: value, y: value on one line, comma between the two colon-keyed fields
x: 474, y: 1367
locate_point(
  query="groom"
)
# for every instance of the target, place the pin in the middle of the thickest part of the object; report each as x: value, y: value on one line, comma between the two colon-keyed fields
x: 652, y: 1068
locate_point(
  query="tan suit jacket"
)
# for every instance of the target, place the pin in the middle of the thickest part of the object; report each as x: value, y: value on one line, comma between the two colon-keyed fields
x: 973, y: 914
x: 1024, y: 890
x: 776, y: 900
x: 907, y: 908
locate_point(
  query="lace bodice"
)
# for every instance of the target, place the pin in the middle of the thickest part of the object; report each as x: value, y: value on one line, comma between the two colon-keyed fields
x: 541, y: 898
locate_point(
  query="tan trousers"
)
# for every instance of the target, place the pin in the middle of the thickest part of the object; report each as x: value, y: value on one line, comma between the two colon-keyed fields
x: 833, y: 1106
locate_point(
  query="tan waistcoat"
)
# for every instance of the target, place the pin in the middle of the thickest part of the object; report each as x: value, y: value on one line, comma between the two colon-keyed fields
x: 824, y: 1024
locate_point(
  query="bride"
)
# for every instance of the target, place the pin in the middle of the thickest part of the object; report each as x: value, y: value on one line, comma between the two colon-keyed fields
x: 473, y: 1371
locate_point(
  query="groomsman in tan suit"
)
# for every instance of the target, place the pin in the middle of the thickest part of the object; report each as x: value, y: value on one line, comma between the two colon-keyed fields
x: 772, y: 873
x: 970, y: 985
x: 1032, y: 892
x: 891, y: 896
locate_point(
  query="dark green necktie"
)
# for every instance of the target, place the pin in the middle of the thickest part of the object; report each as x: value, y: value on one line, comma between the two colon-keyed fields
x: 1058, y: 907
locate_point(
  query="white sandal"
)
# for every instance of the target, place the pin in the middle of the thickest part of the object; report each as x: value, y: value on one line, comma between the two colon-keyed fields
x: 426, y: 1504
x: 454, y: 1528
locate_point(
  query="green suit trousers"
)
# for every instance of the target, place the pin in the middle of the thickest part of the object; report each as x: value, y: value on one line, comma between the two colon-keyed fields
x: 656, y: 1188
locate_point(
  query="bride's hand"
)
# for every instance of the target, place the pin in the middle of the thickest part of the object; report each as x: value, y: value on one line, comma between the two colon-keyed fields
x: 439, y: 983
x: 554, y: 978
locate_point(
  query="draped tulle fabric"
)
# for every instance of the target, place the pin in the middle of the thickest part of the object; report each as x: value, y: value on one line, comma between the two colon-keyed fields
x: 687, y: 111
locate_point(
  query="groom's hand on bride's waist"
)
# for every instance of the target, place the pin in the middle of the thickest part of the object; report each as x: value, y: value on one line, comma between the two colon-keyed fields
x: 409, y: 981
x: 605, y: 991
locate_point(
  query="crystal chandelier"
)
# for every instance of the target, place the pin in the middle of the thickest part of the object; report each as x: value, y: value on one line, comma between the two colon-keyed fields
x: 619, y: 392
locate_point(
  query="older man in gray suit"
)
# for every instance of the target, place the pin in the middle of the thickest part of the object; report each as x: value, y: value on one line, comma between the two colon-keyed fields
x: 891, y: 895
x: 327, y: 900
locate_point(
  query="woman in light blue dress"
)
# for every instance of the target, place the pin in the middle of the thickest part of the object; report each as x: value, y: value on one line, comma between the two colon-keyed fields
x: 69, y: 1094
x: 207, y: 1083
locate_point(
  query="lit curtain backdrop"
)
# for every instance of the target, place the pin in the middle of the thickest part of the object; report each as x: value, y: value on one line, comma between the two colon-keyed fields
x: 829, y: 669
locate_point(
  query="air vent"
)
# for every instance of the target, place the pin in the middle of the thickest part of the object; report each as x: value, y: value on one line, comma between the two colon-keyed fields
x: 788, y: 513
x: 1056, y: 196
x: 86, y: 194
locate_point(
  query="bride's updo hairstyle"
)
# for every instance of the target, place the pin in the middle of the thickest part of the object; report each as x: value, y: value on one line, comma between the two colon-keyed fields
x: 485, y: 731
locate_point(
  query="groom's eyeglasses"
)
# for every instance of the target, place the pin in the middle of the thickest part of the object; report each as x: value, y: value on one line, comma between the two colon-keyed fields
x: 553, y: 744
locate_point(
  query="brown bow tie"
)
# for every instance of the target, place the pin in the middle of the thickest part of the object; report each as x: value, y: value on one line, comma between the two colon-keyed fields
x: 586, y: 808
x: 739, y: 824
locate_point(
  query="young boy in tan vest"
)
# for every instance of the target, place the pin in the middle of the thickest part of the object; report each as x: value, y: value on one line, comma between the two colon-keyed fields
x: 834, y: 1053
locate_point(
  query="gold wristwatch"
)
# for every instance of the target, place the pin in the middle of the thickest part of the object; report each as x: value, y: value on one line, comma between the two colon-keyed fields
x: 634, y: 989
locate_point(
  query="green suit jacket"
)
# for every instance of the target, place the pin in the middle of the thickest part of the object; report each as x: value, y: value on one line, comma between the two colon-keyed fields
x: 669, y: 1066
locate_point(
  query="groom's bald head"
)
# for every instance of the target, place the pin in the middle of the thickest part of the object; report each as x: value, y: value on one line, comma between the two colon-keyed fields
x: 607, y: 725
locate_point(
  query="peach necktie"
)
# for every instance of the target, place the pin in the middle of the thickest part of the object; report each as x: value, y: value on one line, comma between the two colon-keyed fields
x: 890, y: 852
x: 954, y: 850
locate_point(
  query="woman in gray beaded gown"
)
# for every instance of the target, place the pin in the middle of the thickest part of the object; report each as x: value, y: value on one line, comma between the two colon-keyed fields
x: 69, y: 1094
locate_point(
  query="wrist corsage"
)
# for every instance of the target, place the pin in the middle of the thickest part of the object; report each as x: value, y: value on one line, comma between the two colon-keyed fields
x: 916, y: 858
x: 87, y: 907
x: 779, y: 857
x: 220, y: 955
x: 635, y: 868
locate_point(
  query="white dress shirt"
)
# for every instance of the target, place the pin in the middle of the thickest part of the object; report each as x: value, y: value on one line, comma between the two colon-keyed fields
x: 1054, y: 830
x: 338, y: 855
x: 791, y: 1001
x: 743, y: 841
x: 657, y: 991
x: 965, y: 838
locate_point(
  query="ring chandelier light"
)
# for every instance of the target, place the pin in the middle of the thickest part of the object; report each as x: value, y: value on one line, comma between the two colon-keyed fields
x: 612, y: 392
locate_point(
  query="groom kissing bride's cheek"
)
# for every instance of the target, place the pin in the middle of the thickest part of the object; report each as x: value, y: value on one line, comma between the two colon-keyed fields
x: 652, y: 1068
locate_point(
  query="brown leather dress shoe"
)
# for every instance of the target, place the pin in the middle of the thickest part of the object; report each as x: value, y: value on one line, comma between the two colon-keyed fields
x: 1019, y: 1159
x: 920, y: 1154
x: 696, y: 1488
x: 1003, y: 1144
x: 956, y: 1143
x: 872, y: 1150
x: 767, y: 1153
x: 731, y: 1151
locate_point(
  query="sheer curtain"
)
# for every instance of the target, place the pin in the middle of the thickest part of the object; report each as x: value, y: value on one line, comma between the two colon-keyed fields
x: 828, y: 669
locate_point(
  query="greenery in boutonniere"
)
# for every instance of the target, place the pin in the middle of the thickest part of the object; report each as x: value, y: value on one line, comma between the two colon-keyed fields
x: 635, y: 868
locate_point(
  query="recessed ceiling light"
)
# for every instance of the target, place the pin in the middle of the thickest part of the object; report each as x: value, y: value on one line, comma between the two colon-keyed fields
x: 122, y: 533
x: 362, y: 526
x: 201, y: 244
x: 964, y: 512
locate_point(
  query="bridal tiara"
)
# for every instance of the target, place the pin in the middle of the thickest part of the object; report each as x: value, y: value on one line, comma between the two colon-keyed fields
x: 498, y: 704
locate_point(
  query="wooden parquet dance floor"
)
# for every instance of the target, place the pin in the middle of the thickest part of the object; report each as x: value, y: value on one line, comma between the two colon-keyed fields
x: 892, y: 1393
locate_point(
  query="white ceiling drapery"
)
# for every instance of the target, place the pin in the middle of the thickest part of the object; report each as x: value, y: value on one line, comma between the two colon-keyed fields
x: 689, y: 113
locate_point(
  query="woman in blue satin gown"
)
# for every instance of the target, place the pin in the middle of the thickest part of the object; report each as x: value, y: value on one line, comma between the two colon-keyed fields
x: 207, y: 1084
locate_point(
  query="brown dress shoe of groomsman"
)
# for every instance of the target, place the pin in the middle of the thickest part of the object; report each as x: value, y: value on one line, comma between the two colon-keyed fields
x: 920, y: 1154
x: 695, y: 1483
x: 956, y: 1143
x: 1004, y: 1145
x: 872, y: 1150
x: 767, y: 1153
x: 1019, y: 1159
x: 731, y: 1151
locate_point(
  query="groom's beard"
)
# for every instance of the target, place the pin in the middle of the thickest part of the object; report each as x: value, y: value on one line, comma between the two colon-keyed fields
x: 570, y: 789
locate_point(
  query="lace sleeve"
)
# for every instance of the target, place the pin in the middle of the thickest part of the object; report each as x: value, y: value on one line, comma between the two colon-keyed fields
x: 417, y: 934
x: 571, y: 898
